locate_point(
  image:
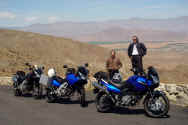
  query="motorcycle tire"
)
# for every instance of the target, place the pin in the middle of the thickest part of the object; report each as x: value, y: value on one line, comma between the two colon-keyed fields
x: 157, y: 114
x: 103, y: 103
x: 50, y: 98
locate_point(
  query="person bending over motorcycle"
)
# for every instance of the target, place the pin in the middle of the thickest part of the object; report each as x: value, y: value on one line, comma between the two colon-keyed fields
x: 113, y: 64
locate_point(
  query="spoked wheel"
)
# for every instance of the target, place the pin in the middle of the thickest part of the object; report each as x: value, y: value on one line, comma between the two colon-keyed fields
x: 158, y: 106
x: 50, y: 97
x: 104, y: 103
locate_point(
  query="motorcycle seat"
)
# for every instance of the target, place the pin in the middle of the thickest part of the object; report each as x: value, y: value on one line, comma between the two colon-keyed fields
x: 59, y: 79
x: 120, y: 86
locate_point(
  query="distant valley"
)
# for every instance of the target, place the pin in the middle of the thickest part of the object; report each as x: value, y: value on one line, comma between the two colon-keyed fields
x: 171, y: 29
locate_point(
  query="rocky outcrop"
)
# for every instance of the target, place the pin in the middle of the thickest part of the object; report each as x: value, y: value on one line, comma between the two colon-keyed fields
x: 5, y: 81
x: 177, y: 93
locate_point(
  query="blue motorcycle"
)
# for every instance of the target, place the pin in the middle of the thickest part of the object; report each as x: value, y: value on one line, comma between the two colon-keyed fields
x: 74, y: 81
x: 131, y: 92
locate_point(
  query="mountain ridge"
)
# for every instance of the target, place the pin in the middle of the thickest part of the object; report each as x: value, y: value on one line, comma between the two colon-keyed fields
x: 90, y: 29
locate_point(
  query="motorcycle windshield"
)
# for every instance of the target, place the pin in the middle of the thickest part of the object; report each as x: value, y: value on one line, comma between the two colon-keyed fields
x: 72, y: 79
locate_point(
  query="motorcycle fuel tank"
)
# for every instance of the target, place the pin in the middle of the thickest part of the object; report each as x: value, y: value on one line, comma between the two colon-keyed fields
x: 110, y: 87
x: 72, y: 79
x: 56, y: 83
x: 139, y: 83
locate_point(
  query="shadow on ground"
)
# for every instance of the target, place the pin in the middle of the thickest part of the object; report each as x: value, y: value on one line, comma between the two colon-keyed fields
x: 127, y: 111
x: 72, y: 102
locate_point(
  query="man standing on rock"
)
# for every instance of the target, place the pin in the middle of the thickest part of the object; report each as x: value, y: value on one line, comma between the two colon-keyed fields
x: 136, y: 51
x: 113, y: 64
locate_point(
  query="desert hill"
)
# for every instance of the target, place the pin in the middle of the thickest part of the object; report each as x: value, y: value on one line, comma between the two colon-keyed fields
x: 17, y: 47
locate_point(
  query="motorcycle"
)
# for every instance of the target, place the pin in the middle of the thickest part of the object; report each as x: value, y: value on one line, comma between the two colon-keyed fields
x: 26, y: 83
x: 130, y: 92
x: 65, y: 88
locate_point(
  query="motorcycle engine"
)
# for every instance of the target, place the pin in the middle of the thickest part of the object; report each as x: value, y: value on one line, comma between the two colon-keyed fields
x: 64, y: 90
x: 128, y: 100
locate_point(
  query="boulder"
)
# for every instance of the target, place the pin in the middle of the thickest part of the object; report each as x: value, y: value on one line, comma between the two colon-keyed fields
x: 177, y: 93
x: 5, y: 81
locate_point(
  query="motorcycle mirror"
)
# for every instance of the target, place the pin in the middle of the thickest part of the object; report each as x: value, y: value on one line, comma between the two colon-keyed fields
x: 86, y: 65
x: 65, y: 66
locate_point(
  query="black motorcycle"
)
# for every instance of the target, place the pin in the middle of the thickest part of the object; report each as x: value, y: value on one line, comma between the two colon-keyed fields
x: 24, y: 83
x: 73, y: 82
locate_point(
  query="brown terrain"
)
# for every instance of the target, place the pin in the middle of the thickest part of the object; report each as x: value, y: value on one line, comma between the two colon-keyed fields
x: 18, y: 47
x: 171, y: 62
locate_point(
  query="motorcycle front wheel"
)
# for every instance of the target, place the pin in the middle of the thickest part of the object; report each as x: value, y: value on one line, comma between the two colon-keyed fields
x: 158, y: 106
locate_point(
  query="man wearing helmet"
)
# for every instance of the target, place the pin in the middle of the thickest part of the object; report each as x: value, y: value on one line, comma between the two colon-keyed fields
x: 113, y: 64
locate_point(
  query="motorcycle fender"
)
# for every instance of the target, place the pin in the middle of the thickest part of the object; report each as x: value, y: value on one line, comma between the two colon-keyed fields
x: 155, y: 93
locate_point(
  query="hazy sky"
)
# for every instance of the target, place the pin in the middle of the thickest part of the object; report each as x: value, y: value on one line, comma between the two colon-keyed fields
x: 26, y: 12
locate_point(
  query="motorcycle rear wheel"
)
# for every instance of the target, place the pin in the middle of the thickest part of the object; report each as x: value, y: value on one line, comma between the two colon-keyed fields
x: 104, y: 103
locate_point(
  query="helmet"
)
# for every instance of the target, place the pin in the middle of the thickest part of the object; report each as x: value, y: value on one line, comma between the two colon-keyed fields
x: 117, y: 78
x: 51, y: 72
x: 36, y: 67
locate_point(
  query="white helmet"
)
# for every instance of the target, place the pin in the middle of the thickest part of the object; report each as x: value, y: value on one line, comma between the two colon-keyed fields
x: 36, y: 67
x: 51, y: 72
x: 117, y: 78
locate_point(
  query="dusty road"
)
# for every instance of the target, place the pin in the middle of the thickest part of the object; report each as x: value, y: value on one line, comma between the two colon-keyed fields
x: 27, y: 111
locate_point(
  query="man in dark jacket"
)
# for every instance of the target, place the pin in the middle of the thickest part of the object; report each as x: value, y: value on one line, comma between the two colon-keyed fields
x: 136, y: 51
x: 113, y: 64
